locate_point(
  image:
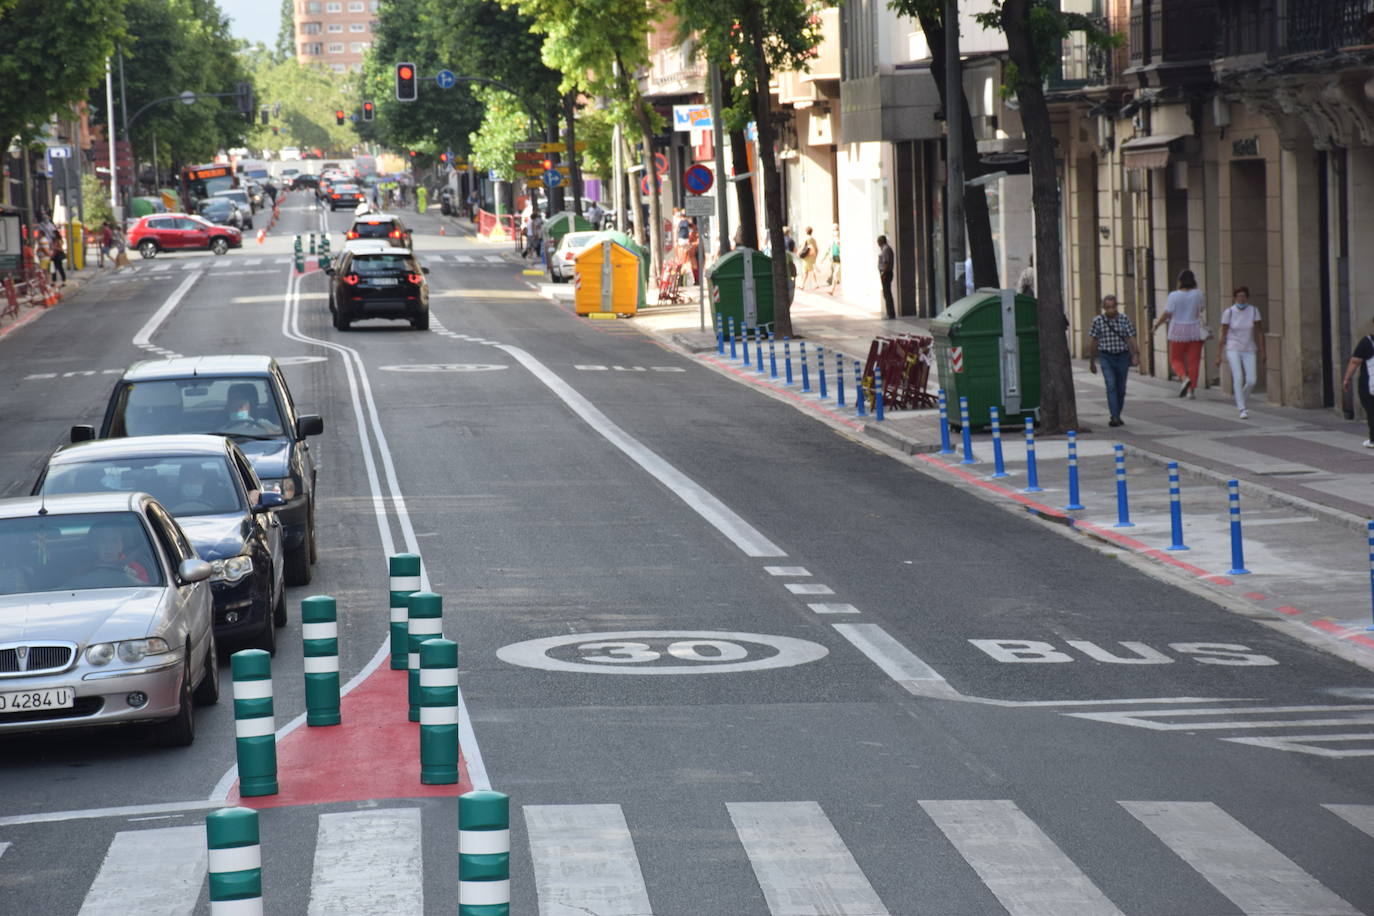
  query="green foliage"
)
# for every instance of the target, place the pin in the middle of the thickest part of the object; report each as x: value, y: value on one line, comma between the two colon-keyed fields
x: 597, y: 130
x: 95, y: 201
x: 488, y: 39
x: 504, y: 123
x: 286, y: 35
x: 1049, y: 27
x: 52, y: 52
x: 309, y: 96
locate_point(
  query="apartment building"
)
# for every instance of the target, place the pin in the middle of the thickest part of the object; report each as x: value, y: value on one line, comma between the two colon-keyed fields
x: 335, y: 33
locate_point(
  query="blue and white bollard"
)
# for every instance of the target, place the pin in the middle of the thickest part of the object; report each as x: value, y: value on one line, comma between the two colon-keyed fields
x: 758, y: 346
x: 820, y: 368
x: 772, y: 357
x: 1074, y: 504
x: 1237, y: 548
x: 839, y: 379
x: 1123, y: 508
x: 720, y: 334
x: 1371, y: 568
x: 999, y: 467
x: 967, y: 433
x: 1175, y: 510
x: 877, y: 392
x: 859, y: 395
x: 787, y: 359
x: 744, y: 346
x: 806, y: 375
x: 733, y: 353
x: 945, y: 447
x: 1032, y: 474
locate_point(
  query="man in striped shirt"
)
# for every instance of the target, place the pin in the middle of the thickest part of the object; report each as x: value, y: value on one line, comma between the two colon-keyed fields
x: 1112, y: 340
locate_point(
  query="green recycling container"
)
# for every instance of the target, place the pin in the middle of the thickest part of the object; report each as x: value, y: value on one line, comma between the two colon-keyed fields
x: 968, y: 341
x: 741, y: 287
x: 560, y: 224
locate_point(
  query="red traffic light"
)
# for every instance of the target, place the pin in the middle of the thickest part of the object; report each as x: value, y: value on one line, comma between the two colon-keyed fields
x: 405, y: 72
x: 406, y: 88
x: 368, y: 111
x: 548, y: 164
x: 412, y: 153
x: 443, y: 157
x: 339, y: 116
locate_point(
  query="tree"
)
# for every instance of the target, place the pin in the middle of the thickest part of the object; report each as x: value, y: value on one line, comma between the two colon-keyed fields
x: 930, y: 14
x: 54, y: 51
x: 753, y: 39
x: 286, y: 34
x: 504, y: 123
x: 309, y: 95
x: 1035, y: 31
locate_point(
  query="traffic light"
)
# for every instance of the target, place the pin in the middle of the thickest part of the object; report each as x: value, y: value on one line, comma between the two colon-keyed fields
x: 368, y: 111
x: 244, y: 97
x: 443, y: 157
x: 339, y: 116
x: 276, y: 129
x: 547, y: 164
x: 406, y: 88
x: 412, y: 154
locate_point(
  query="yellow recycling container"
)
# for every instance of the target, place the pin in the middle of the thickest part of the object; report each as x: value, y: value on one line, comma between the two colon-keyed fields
x: 608, y: 279
x: 76, y: 245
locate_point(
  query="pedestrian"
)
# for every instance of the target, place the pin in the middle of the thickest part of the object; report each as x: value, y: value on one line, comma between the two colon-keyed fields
x: 1242, y: 340
x: 834, y: 258
x: 684, y: 229
x: 1025, y: 284
x: 270, y: 190
x: 106, y: 243
x: 1184, y: 312
x: 595, y: 215
x: 1111, y: 341
x: 59, y: 258
x: 808, y: 253
x: 1359, y: 362
x: 789, y: 244
x: 42, y: 250
x: 537, y: 235
x: 886, y: 260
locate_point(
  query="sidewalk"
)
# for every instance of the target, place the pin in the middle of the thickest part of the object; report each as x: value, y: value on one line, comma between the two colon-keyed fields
x: 1304, y: 475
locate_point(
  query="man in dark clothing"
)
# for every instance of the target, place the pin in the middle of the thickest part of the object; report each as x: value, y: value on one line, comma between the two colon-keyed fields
x: 885, y: 263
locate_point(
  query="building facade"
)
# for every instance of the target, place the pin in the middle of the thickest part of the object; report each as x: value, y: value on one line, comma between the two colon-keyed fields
x: 334, y: 33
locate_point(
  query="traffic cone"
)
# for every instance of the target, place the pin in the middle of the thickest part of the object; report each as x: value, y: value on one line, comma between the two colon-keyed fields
x: 262, y: 236
x: 441, y: 229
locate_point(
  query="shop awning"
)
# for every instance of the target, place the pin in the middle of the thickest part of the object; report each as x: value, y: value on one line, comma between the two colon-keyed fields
x: 1149, y: 152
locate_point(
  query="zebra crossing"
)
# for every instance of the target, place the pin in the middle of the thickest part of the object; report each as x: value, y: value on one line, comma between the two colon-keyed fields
x: 780, y: 858
x: 255, y: 265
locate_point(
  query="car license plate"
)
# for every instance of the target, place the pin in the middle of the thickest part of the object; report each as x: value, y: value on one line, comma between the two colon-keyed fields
x: 384, y: 281
x: 48, y: 698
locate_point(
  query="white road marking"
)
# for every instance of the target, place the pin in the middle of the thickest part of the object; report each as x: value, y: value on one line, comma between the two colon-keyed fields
x: 1142, y: 718
x: 493, y: 258
x: 50, y: 817
x: 1253, y: 875
x: 584, y: 861
x: 368, y: 863
x: 823, y: 608
x: 722, y: 517
x: 896, y: 660
x: 160, y: 266
x: 144, y: 338
x: 807, y: 588
x: 150, y: 872
x: 640, y: 652
x: 4, y: 847
x: 786, y: 571
x: 1027, y: 871
x: 252, y: 262
x: 1312, y: 744
x: 1360, y: 817
x: 802, y: 865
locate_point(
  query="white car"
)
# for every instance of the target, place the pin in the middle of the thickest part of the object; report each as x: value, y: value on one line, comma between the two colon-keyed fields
x: 561, y: 265
x: 290, y: 152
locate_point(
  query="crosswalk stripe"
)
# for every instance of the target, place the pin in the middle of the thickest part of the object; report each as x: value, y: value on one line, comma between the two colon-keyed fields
x: 150, y: 872
x: 252, y: 262
x: 1359, y: 816
x: 1255, y: 876
x: 1028, y: 872
x: 160, y: 266
x: 584, y: 861
x: 463, y: 258
x: 802, y: 865
x: 368, y: 862
x: 494, y: 258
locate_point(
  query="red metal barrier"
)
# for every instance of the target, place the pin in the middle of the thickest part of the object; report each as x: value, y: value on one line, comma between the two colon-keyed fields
x: 491, y: 226
x: 905, y: 361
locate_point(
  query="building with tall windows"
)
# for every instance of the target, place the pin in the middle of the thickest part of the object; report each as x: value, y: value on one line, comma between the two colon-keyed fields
x: 335, y: 33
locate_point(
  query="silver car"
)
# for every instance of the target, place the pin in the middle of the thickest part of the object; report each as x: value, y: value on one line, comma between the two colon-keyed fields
x: 105, y: 616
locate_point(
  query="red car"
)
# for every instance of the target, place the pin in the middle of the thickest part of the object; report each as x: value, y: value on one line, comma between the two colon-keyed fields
x: 181, y: 232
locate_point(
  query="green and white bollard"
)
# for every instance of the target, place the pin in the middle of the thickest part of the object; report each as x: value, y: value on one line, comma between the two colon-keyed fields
x: 424, y: 620
x: 254, y: 724
x: 312, y: 243
x: 405, y: 581
x: 438, y: 712
x: 235, y: 862
x: 320, y: 638
x: 324, y: 252
x: 484, y: 854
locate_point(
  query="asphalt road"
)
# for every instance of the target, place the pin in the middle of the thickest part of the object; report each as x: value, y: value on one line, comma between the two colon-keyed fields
x: 781, y: 672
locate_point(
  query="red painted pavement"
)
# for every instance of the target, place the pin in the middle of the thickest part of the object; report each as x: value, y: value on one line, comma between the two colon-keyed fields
x: 375, y: 753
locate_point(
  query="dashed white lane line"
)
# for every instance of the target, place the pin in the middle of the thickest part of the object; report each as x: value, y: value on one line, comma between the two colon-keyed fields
x: 798, y: 571
x: 834, y: 608
x: 808, y: 588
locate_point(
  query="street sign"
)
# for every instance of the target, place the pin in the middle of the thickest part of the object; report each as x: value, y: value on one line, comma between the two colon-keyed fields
x: 59, y: 152
x: 188, y: 97
x: 445, y: 79
x: 553, y: 178
x: 698, y: 178
x: 578, y: 147
x: 692, y: 117
x: 699, y: 206
x: 661, y: 164
x: 528, y: 145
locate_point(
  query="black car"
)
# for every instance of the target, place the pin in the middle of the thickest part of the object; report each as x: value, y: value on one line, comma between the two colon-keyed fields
x: 304, y: 181
x: 344, y: 195
x: 380, y: 282
x: 244, y: 398
x: 386, y: 227
x: 210, y: 488
x: 224, y: 212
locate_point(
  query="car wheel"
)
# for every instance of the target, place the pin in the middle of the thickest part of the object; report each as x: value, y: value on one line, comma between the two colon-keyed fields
x: 147, y: 248
x: 298, y: 561
x: 279, y: 609
x: 421, y: 323
x: 207, y: 691
x: 340, y: 322
x: 180, y: 730
x: 267, y: 639
x: 219, y: 246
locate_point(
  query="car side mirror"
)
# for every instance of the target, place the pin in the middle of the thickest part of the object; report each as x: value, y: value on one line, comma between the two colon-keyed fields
x: 189, y: 571
x: 82, y: 433
x: 268, y: 501
x: 424, y: 270
x: 309, y: 425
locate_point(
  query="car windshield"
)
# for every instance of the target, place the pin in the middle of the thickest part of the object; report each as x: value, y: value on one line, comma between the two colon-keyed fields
x: 54, y: 553
x: 380, y: 264
x: 186, y: 485
x: 378, y: 230
x: 577, y: 239
x: 227, y: 406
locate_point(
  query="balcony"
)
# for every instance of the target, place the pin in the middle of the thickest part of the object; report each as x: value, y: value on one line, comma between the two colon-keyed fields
x: 1172, y: 31
x: 1081, y: 63
x: 1274, y: 28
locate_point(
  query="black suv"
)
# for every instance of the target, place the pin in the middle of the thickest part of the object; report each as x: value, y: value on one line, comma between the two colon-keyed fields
x: 244, y: 398
x: 379, y: 283
x: 384, y: 227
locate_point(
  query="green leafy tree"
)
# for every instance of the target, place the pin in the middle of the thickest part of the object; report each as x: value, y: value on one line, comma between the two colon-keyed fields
x: 504, y: 123
x: 309, y: 95
x: 286, y: 35
x: 52, y: 53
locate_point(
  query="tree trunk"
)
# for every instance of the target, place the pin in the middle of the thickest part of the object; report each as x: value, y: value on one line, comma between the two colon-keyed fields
x: 574, y: 169
x: 555, y: 195
x: 744, y: 190
x: 655, y: 227
x: 772, y: 181
x: 976, y: 217
x: 1058, y: 408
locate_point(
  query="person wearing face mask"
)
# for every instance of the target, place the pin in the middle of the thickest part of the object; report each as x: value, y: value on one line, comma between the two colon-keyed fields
x: 1242, y: 340
x: 241, y: 415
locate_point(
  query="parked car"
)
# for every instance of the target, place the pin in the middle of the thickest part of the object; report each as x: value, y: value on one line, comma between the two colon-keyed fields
x: 562, y: 265
x: 181, y: 232
x: 239, y: 196
x: 345, y: 196
x: 243, y: 397
x: 371, y: 283
x: 384, y: 226
x: 210, y: 488
x: 224, y: 212
x: 105, y: 617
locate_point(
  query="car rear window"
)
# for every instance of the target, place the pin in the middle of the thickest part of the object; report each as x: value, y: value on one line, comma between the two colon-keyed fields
x: 577, y: 239
x: 373, y: 230
x: 67, y: 552
x: 380, y: 264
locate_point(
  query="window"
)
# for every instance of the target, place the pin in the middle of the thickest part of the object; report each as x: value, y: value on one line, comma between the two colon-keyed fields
x: 357, y: 27
x: 358, y: 47
x: 356, y: 6
x: 313, y: 6
x: 335, y: 28
x: 333, y: 7
x: 310, y: 28
x: 375, y: 6
x: 312, y: 47
x: 336, y: 47
x: 338, y: 68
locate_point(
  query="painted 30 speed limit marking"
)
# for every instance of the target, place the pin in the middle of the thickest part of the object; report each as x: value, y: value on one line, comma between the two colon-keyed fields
x: 662, y: 652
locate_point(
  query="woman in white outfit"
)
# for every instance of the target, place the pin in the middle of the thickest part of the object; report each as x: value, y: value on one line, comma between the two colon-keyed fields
x: 1242, y: 340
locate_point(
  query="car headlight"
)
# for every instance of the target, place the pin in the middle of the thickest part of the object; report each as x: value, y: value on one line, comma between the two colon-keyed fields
x: 285, y: 487
x: 231, y: 569
x: 129, y: 651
